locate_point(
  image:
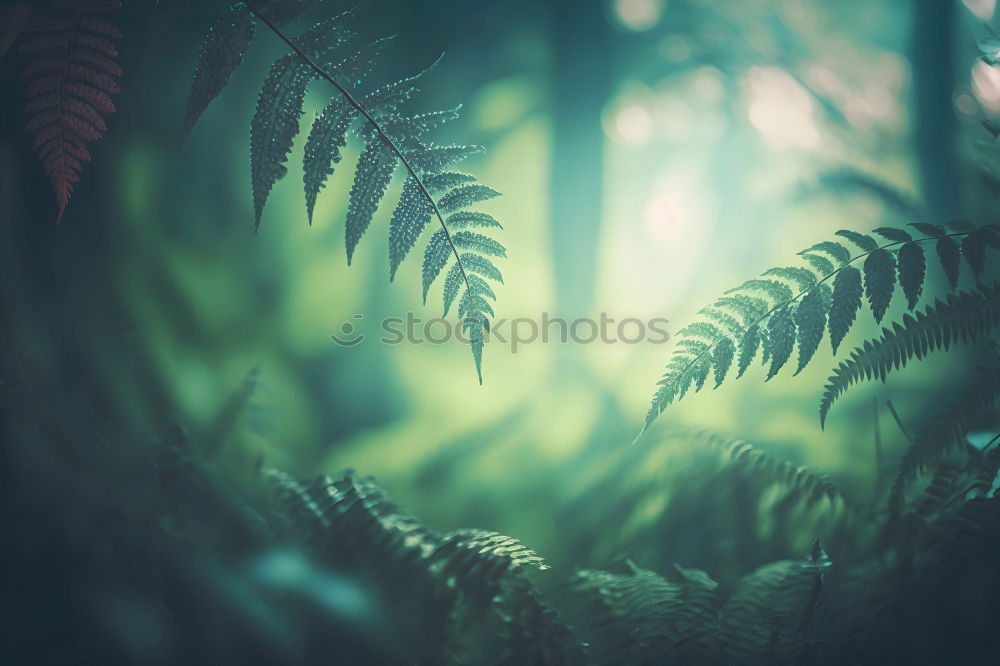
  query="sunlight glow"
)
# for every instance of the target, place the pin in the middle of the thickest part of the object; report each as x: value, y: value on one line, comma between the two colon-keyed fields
x: 981, y: 9
x: 638, y: 15
x: 781, y: 109
x: 661, y: 219
x: 634, y: 124
x: 986, y: 84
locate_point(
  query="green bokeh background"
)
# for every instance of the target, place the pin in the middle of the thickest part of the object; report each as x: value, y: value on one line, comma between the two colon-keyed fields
x: 714, y: 122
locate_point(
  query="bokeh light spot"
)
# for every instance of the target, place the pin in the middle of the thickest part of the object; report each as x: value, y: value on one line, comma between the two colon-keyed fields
x: 638, y: 15
x: 781, y: 109
x: 634, y: 124
x: 981, y: 9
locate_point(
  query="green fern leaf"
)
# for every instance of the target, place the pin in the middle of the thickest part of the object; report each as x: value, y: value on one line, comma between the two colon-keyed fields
x: 452, y: 283
x: 471, y: 218
x: 974, y: 249
x: 804, y: 278
x: 696, y: 346
x: 880, y: 281
x: 436, y: 257
x: 437, y: 182
x: 699, y: 372
x: 465, y: 196
x: 220, y: 54
x: 951, y: 257
x: 409, y: 220
x: 468, y: 240
x: 840, y: 253
x: 722, y: 359
x: 960, y: 318
x: 374, y: 171
x: 748, y: 349
x: 733, y: 326
x: 432, y: 159
x: 912, y: 268
x: 865, y: 242
x: 946, y: 432
x: 932, y: 230
x: 322, y: 151
x: 890, y: 233
x: 961, y: 226
x: 750, y: 308
x: 703, y: 329
x: 387, y: 99
x: 845, y: 304
x: 810, y: 321
x: 390, y: 136
x: 479, y: 264
x: 279, y: 106
x: 820, y: 264
x: 780, y: 340
x: 329, y: 130
x: 412, y: 127
x: 275, y: 124
x: 472, y: 311
x: 778, y: 292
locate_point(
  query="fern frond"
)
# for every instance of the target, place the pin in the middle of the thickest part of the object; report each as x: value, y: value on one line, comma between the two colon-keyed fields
x: 960, y: 318
x: 766, y: 618
x: 791, y: 306
x: 390, y: 136
x: 71, y: 72
x: 945, y: 432
x: 446, y: 584
x: 642, y: 618
x: 802, y: 482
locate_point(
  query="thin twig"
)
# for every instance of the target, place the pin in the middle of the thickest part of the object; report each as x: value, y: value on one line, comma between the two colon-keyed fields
x: 899, y: 421
x: 878, y: 444
x: 374, y: 123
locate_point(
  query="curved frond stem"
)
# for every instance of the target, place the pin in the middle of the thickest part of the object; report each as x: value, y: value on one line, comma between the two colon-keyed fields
x: 710, y: 347
x: 899, y: 421
x: 371, y: 121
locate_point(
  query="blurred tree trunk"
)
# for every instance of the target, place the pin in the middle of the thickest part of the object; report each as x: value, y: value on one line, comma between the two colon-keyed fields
x: 934, y: 124
x: 581, y: 85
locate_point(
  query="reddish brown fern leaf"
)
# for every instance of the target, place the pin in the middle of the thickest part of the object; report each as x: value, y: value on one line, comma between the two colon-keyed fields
x: 71, y: 74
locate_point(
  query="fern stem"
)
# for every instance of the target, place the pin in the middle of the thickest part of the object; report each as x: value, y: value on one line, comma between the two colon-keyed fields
x: 710, y: 347
x: 899, y: 421
x: 877, y: 427
x: 371, y: 121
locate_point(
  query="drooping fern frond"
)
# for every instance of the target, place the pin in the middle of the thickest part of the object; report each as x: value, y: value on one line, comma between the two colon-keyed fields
x: 391, y: 137
x: 803, y: 482
x: 71, y: 75
x: 767, y: 617
x: 642, y: 618
x: 793, y: 307
x: 946, y: 432
x: 444, y: 586
x: 959, y: 318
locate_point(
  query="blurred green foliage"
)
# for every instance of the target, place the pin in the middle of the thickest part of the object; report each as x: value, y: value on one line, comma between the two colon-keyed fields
x: 715, y: 131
